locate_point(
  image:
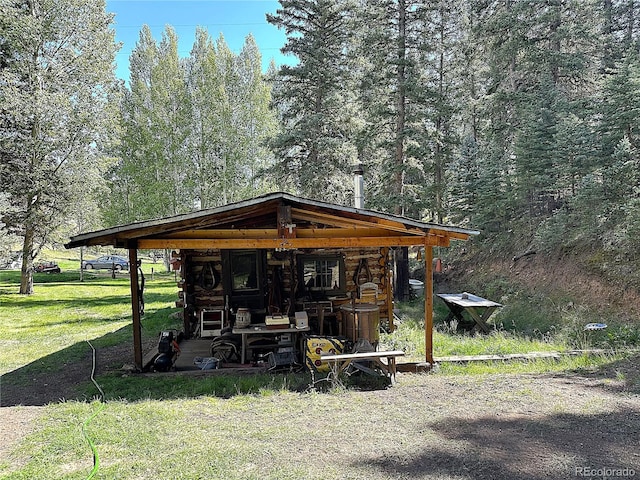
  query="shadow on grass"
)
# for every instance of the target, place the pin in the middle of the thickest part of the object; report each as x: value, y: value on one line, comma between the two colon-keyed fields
x: 521, y: 446
x: 66, y: 375
x: 618, y: 376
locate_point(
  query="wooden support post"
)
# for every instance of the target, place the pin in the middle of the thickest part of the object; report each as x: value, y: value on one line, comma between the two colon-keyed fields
x: 135, y: 308
x: 428, y: 303
x: 387, y: 280
x: 286, y: 228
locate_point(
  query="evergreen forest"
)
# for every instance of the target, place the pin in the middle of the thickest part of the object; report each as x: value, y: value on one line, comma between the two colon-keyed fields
x: 518, y: 118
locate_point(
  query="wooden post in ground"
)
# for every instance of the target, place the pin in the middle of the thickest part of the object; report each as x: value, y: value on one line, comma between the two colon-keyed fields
x: 428, y: 303
x: 135, y: 308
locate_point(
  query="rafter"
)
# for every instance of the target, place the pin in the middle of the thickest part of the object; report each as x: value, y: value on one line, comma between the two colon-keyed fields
x: 352, y: 222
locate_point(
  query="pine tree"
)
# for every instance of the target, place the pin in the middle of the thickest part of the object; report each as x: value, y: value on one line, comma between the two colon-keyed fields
x: 315, y: 150
x: 539, y: 71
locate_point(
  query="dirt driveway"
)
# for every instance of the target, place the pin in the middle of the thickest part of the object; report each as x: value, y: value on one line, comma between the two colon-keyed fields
x: 434, y: 426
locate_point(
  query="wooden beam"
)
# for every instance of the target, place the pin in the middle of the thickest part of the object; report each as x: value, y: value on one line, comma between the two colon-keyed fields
x: 135, y: 308
x: 352, y: 222
x: 225, y: 233
x: 428, y: 303
x: 230, y: 233
x: 447, y: 233
x: 347, y: 232
x: 290, y: 243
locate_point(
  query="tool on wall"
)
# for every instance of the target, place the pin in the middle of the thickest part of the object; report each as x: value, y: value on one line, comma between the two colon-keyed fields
x: 209, y: 278
x: 140, y: 288
x: 362, y: 273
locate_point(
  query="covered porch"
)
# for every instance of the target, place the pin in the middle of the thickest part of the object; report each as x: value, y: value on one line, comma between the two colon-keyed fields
x: 276, y: 255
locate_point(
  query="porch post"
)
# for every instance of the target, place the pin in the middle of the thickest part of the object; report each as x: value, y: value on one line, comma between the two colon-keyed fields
x: 428, y: 303
x: 135, y: 307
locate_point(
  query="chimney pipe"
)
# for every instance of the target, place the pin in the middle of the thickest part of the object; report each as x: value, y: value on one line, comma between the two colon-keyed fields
x: 358, y: 190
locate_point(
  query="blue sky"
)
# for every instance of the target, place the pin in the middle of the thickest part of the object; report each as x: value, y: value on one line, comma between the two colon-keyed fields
x: 235, y: 19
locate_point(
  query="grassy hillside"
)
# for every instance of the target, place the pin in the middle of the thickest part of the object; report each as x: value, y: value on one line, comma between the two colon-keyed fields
x: 550, y: 296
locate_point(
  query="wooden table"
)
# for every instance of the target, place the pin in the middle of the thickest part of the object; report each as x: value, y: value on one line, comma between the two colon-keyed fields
x: 478, y: 308
x: 342, y: 361
x: 261, y: 329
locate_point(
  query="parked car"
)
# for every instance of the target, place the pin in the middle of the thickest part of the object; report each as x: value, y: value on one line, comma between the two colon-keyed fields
x: 47, y: 267
x: 107, y: 262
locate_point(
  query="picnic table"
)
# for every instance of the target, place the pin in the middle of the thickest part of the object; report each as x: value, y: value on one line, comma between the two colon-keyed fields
x: 471, y: 311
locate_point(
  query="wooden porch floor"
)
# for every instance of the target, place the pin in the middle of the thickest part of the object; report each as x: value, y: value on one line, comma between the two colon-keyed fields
x: 201, y: 347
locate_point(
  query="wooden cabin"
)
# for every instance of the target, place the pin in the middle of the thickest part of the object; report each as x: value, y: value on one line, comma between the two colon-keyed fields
x: 276, y: 255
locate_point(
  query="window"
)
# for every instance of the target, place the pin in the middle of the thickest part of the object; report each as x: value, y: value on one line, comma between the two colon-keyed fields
x: 322, y: 273
x: 244, y: 271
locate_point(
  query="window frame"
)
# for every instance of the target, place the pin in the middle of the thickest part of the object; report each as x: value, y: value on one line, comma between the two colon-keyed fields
x: 322, y: 290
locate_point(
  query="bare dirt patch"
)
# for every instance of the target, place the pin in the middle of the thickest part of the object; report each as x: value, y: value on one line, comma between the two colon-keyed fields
x: 35, y: 387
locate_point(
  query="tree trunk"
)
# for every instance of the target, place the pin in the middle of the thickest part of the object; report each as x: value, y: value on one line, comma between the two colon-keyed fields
x: 401, y: 260
x: 401, y: 257
x: 400, y: 108
x: 26, y: 277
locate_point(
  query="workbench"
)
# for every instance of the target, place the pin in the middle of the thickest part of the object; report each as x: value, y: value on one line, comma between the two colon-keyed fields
x: 477, y: 308
x: 262, y: 330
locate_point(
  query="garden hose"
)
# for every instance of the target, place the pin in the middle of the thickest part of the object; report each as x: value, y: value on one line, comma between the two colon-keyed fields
x: 96, y: 458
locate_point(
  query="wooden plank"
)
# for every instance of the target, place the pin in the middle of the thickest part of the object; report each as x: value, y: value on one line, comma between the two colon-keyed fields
x: 502, y: 357
x: 229, y: 233
x: 362, y: 355
x: 347, y: 232
x: 447, y: 233
x: 467, y: 300
x: 342, y: 361
x: 337, y: 221
x: 226, y: 233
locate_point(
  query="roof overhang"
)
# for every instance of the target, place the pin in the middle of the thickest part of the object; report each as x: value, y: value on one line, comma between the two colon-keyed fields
x: 275, y: 221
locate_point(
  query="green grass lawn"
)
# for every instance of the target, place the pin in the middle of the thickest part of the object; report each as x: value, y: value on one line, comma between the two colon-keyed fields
x: 180, y: 427
x: 64, y: 311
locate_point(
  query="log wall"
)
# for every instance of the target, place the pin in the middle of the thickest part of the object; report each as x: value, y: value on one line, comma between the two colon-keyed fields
x: 195, y: 294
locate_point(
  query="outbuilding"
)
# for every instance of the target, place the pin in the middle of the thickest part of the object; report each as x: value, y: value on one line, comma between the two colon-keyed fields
x: 275, y: 255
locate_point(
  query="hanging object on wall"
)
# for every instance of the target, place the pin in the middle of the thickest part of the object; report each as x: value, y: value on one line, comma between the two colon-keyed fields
x: 362, y: 273
x: 209, y: 278
x: 275, y: 291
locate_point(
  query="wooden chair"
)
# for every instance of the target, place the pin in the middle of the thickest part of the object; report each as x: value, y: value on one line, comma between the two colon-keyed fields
x: 321, y: 311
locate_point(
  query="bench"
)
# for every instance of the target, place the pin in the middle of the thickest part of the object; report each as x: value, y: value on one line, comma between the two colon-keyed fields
x: 342, y: 361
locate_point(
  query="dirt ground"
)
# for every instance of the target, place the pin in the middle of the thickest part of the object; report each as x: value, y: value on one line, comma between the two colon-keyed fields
x: 22, y: 394
x: 442, y: 426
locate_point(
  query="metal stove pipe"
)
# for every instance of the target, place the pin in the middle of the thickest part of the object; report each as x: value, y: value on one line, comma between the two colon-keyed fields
x: 358, y: 183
